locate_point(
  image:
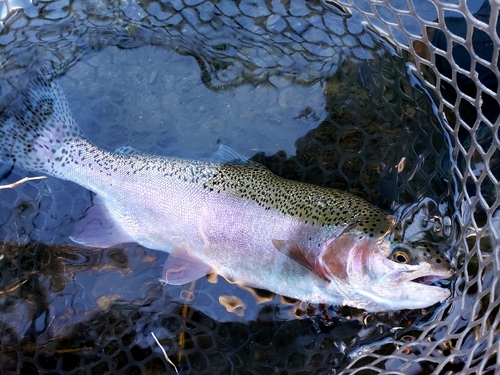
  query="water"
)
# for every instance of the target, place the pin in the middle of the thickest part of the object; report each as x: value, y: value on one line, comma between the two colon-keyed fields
x: 182, y: 116
x: 304, y: 90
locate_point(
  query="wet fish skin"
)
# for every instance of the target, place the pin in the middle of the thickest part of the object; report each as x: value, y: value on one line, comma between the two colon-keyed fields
x: 227, y: 215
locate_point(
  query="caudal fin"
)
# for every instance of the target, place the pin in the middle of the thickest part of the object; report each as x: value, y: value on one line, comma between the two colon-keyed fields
x: 37, y: 125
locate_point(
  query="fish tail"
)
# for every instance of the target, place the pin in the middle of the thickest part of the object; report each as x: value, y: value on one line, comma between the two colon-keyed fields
x: 38, y: 125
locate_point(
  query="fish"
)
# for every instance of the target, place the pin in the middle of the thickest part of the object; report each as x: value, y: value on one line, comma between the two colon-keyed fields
x: 227, y: 215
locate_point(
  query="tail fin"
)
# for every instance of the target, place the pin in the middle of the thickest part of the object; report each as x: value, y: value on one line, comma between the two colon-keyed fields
x: 38, y: 125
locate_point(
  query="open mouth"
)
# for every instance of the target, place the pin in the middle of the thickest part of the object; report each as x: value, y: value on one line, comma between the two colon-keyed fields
x: 430, y: 280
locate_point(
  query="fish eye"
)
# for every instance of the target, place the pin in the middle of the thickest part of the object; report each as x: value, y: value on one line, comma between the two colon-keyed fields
x: 401, y: 256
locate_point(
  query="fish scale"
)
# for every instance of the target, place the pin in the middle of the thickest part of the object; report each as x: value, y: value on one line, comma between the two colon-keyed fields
x: 227, y: 215
x: 310, y: 203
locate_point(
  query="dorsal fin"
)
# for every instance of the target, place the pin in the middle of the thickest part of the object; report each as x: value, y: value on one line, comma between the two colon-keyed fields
x: 226, y: 155
x: 127, y: 150
x: 292, y: 250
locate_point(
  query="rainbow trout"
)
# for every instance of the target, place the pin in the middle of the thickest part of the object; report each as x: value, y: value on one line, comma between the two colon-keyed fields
x: 226, y: 215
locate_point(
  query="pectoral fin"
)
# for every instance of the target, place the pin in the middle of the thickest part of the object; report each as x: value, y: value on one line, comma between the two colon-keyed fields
x: 292, y: 250
x: 97, y: 228
x: 182, y: 268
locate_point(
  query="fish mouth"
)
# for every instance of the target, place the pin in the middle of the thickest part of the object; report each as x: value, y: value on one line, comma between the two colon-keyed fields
x: 431, y: 279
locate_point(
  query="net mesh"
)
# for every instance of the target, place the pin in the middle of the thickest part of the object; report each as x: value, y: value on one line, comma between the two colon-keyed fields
x: 389, y: 128
x: 456, y: 52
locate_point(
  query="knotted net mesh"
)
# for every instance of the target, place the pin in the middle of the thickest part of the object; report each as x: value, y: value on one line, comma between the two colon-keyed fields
x: 394, y: 101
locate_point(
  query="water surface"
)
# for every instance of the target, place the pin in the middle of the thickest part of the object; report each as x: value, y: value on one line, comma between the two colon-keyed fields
x: 300, y: 87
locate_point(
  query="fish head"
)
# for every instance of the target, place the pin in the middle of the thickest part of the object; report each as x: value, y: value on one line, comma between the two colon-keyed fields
x: 387, y: 275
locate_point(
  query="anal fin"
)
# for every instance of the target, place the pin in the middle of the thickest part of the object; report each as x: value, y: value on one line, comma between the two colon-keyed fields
x: 98, y: 229
x: 182, y: 268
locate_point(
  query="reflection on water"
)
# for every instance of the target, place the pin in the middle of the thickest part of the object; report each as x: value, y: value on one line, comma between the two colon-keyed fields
x: 172, y: 113
x: 304, y: 89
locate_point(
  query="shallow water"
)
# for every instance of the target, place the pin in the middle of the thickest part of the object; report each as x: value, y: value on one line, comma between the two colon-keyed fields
x: 330, y: 105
